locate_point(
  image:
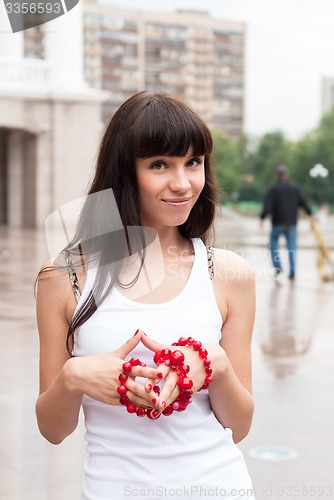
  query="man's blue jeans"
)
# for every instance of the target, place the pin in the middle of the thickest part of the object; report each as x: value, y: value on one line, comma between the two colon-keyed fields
x: 290, y: 234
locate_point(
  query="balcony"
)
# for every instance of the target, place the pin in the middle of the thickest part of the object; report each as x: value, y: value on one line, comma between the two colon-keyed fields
x: 24, y: 75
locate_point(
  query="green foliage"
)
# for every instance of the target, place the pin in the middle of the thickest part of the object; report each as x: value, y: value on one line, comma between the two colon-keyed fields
x: 226, y: 160
x: 245, y: 167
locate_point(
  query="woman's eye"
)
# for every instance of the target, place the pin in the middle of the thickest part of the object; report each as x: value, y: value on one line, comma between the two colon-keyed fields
x: 194, y: 162
x: 158, y: 166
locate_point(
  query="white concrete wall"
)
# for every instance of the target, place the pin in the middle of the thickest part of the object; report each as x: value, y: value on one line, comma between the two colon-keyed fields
x: 67, y: 139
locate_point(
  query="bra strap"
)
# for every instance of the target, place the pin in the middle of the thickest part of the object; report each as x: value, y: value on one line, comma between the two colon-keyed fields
x: 72, y: 275
x: 211, y: 270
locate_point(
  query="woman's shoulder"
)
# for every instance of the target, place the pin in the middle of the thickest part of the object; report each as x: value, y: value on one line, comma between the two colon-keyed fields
x: 54, y: 284
x: 231, y: 266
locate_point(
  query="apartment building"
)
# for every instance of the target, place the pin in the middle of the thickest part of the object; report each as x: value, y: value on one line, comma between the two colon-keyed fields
x: 191, y: 54
x: 188, y: 53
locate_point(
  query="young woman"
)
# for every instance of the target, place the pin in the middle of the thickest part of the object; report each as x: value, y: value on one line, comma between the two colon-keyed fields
x: 100, y: 329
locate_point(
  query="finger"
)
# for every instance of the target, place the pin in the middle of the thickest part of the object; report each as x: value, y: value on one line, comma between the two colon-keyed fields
x: 169, y: 391
x: 129, y: 345
x: 172, y: 397
x: 136, y: 390
x: 147, y: 372
x: 161, y: 373
x: 139, y: 402
x: 151, y: 344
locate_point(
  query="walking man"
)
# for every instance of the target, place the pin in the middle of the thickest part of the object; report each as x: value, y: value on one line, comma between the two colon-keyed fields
x: 281, y: 202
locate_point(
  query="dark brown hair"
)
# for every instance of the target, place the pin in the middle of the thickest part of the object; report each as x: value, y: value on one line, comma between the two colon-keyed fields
x: 147, y: 124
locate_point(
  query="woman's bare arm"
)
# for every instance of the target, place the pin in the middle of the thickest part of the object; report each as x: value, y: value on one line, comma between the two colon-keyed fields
x: 231, y: 391
x: 64, y: 380
x: 57, y: 408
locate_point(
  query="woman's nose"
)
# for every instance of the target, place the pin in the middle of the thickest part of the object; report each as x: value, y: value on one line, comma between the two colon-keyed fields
x: 179, y: 181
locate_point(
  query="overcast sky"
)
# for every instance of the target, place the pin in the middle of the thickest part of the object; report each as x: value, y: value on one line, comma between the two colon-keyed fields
x: 290, y: 47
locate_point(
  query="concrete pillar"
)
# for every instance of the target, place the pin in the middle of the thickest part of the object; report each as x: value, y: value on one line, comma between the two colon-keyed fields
x: 29, y: 180
x: 63, y: 42
x: 3, y: 176
x: 15, y: 179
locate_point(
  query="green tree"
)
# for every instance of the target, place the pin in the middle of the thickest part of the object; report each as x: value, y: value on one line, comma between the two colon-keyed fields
x: 273, y: 149
x: 245, y: 166
x: 316, y: 147
x: 303, y: 158
x: 227, y: 163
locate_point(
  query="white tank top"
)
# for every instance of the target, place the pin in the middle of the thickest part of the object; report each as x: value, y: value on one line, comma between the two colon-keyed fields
x: 185, y: 454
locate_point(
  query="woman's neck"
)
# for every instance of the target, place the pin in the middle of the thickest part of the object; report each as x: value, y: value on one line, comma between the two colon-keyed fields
x: 171, y: 238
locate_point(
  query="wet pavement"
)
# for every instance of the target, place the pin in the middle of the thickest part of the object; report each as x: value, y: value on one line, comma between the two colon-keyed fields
x: 289, y: 450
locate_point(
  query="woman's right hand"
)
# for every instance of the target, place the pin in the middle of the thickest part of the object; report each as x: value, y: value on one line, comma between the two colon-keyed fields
x: 97, y: 376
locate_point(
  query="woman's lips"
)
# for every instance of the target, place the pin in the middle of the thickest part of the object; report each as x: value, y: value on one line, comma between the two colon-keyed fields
x: 177, y: 202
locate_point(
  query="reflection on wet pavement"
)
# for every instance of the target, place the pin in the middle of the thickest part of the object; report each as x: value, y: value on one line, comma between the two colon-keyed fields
x: 292, y: 317
x: 293, y: 352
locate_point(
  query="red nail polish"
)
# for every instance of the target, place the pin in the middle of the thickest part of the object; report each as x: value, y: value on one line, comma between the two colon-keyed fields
x: 154, y: 401
x: 149, y: 387
x: 136, y: 332
x: 160, y: 375
x: 144, y: 334
x: 163, y: 404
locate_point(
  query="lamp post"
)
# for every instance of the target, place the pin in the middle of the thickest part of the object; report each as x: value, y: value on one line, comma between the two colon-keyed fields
x: 318, y: 172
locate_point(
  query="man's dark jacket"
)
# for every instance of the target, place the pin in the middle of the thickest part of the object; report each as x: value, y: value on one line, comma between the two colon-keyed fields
x: 282, y: 201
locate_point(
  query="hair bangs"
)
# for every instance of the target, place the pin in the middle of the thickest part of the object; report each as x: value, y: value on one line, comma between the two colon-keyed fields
x: 168, y: 129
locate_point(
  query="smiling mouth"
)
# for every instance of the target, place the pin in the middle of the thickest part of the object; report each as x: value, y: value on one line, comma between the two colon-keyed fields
x: 179, y: 202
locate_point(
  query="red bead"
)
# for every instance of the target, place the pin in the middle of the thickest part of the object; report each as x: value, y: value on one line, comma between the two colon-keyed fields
x: 131, y: 408
x: 182, y: 370
x: 121, y: 389
x: 135, y: 361
x: 141, y: 412
x: 123, y: 378
x: 202, y: 353
x: 182, y: 341
x: 176, y: 357
x: 206, y: 362
x: 156, y: 389
x: 175, y: 405
x: 190, y: 341
x: 127, y: 366
x: 168, y: 411
x: 182, y: 407
x: 184, y: 397
x: 124, y: 400
x: 153, y: 414
x: 208, y: 379
x: 185, y: 383
x: 157, y: 358
x: 197, y: 345
x: 165, y: 353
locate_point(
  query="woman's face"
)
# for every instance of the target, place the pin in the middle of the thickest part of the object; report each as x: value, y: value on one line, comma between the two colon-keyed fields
x: 169, y: 186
